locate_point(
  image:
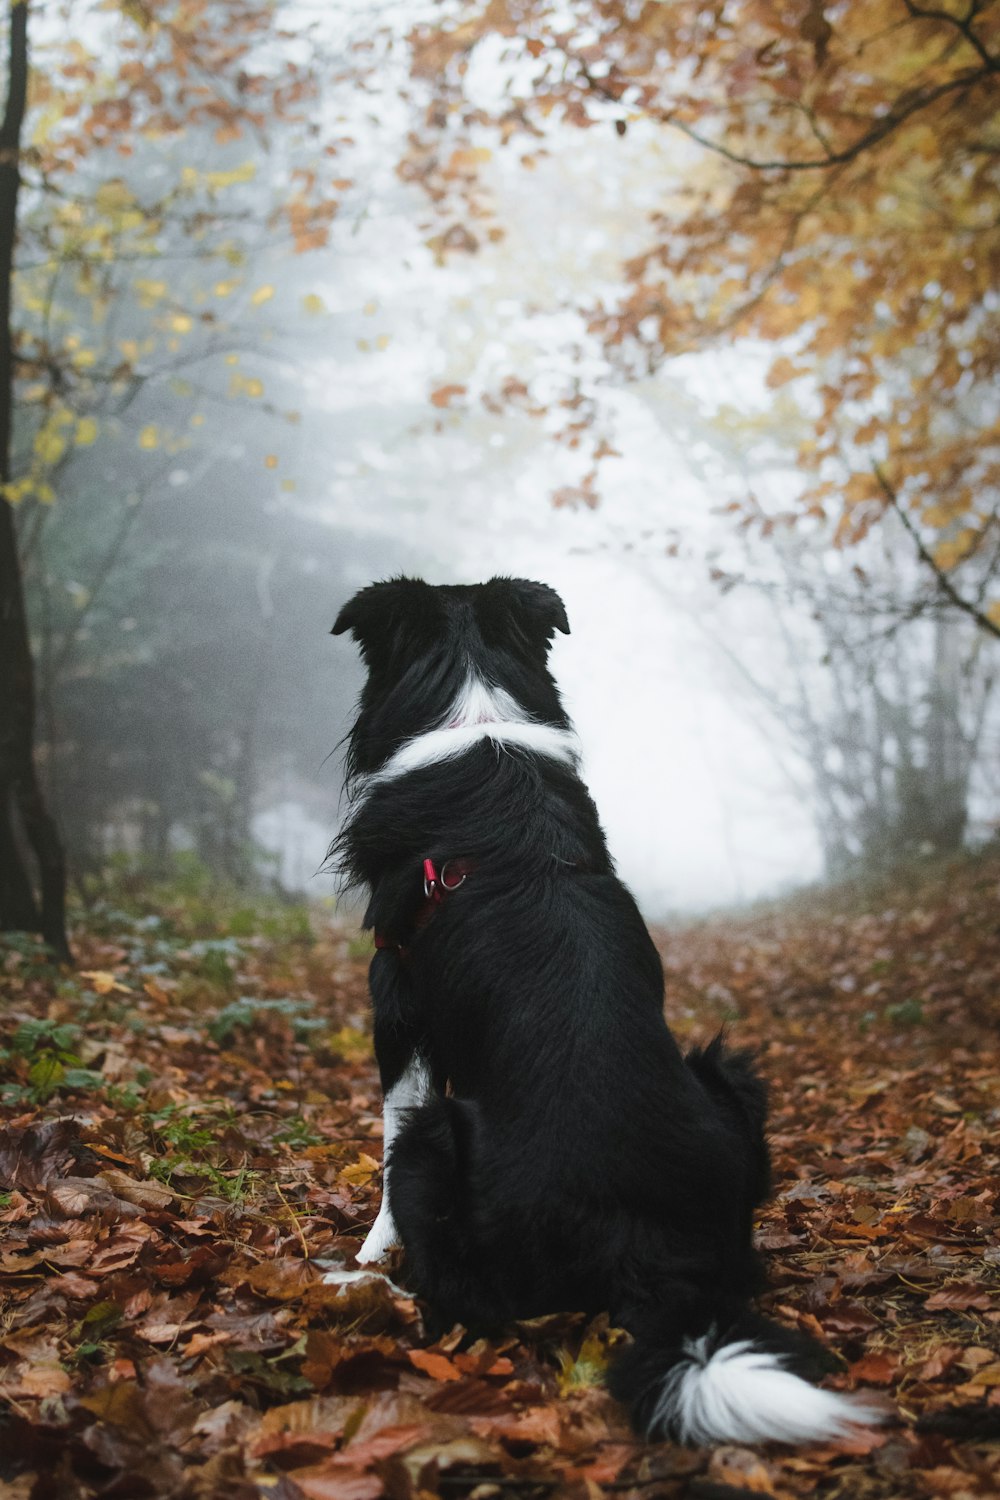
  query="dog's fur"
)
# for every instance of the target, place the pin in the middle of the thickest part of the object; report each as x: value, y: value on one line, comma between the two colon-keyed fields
x: 547, y: 1145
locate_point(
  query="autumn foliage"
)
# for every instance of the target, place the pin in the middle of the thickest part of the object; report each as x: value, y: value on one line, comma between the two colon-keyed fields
x: 840, y: 204
x: 192, y: 1136
x: 144, y: 216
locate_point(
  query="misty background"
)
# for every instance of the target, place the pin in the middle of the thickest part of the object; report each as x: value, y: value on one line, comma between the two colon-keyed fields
x: 754, y: 713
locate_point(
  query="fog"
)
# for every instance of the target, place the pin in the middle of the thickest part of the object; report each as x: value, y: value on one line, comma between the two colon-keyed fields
x: 192, y: 696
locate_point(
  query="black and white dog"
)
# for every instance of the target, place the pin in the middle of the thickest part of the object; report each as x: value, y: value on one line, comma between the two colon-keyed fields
x: 547, y: 1145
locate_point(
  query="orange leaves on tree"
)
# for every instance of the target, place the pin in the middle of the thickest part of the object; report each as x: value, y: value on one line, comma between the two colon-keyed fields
x: 842, y: 204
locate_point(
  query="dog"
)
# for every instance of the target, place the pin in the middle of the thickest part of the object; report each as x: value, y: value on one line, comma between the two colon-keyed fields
x: 547, y: 1145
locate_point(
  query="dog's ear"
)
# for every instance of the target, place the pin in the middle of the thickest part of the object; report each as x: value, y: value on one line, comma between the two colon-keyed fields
x: 534, y: 608
x: 379, y: 613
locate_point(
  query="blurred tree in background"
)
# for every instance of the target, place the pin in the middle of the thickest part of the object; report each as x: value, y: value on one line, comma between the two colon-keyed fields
x: 831, y: 198
x: 143, y: 223
x: 841, y: 206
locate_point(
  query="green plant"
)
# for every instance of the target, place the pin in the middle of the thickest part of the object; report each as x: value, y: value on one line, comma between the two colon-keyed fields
x: 93, y: 1328
x: 247, y: 1013
x: 185, y: 1139
x: 906, y: 1013
x: 52, y: 1063
x: 298, y: 1133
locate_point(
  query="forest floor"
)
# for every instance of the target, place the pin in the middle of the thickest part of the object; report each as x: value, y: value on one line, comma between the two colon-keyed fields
x: 190, y: 1135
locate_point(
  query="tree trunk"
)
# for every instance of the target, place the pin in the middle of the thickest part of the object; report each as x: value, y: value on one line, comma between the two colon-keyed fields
x: 27, y: 832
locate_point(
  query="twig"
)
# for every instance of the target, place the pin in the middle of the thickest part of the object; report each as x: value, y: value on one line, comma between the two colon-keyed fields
x: 944, y: 583
x: 294, y: 1218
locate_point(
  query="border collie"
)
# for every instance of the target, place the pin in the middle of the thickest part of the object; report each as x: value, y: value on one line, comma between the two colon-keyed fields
x: 547, y: 1144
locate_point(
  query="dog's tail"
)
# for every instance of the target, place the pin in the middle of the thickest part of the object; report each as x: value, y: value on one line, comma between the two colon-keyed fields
x: 738, y: 1380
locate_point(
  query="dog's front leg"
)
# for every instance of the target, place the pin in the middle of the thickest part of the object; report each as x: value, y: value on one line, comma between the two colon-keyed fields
x: 406, y: 1081
x: 412, y: 1087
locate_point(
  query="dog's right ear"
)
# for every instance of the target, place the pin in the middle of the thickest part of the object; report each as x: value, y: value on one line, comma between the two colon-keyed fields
x: 379, y: 612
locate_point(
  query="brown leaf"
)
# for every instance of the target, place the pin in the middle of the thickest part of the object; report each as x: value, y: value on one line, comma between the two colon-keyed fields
x: 959, y: 1299
x: 145, y: 1193
x: 742, y: 1469
x: 446, y: 394
x: 434, y: 1365
x: 875, y: 1369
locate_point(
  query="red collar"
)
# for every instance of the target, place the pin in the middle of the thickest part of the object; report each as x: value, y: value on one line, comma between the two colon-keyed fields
x: 437, y: 885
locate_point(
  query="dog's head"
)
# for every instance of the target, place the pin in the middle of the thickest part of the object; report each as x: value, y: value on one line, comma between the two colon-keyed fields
x: 436, y: 650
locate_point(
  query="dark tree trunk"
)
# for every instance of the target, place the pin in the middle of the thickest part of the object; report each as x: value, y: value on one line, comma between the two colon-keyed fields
x: 28, y: 834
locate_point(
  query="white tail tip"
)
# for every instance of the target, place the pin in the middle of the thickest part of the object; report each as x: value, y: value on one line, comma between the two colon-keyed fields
x: 744, y: 1394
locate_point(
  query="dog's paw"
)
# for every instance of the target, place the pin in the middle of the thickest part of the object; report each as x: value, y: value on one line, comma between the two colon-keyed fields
x: 379, y: 1240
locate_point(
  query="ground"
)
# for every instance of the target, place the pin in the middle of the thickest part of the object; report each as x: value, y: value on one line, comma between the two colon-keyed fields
x: 191, y: 1135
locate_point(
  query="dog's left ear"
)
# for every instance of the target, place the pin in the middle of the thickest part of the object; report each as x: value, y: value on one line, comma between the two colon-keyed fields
x: 535, y: 607
x: 381, y: 611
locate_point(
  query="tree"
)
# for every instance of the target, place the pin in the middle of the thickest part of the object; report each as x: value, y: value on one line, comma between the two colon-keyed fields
x: 24, y: 818
x: 840, y: 203
x: 137, y: 237
x: 889, y: 705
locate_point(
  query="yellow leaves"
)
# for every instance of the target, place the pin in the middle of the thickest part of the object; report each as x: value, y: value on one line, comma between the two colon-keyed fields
x: 226, y: 288
x: 949, y: 553
x: 782, y: 371
x: 809, y: 303
x: 361, y: 1171
x: 17, y: 490
x: 113, y: 197
x: 467, y: 159
x: 940, y: 516
x: 181, y: 323
x: 138, y: 12
x: 103, y: 982
x: 861, y: 486
x: 313, y: 304
x: 261, y: 295
x: 590, y: 1365
x: 246, y: 385
x: 993, y: 613
x: 50, y: 444
x: 271, y: 461
x: 45, y: 124
x: 217, y: 181
x: 149, y: 437
x: 86, y: 432
x: 149, y: 291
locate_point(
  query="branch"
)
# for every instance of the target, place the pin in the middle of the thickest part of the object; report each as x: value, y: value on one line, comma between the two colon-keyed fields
x: 944, y: 583
x: 872, y: 137
x: 964, y: 25
x: 903, y: 108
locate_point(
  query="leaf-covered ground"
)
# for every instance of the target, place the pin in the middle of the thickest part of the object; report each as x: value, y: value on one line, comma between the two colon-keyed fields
x: 191, y: 1135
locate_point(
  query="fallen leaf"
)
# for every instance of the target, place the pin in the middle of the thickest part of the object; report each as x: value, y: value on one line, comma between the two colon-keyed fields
x: 434, y: 1365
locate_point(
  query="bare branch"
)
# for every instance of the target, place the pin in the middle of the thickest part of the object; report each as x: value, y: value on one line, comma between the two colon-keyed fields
x: 943, y: 581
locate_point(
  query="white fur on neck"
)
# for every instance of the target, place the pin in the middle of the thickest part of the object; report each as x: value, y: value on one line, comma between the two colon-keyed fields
x: 480, y: 712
